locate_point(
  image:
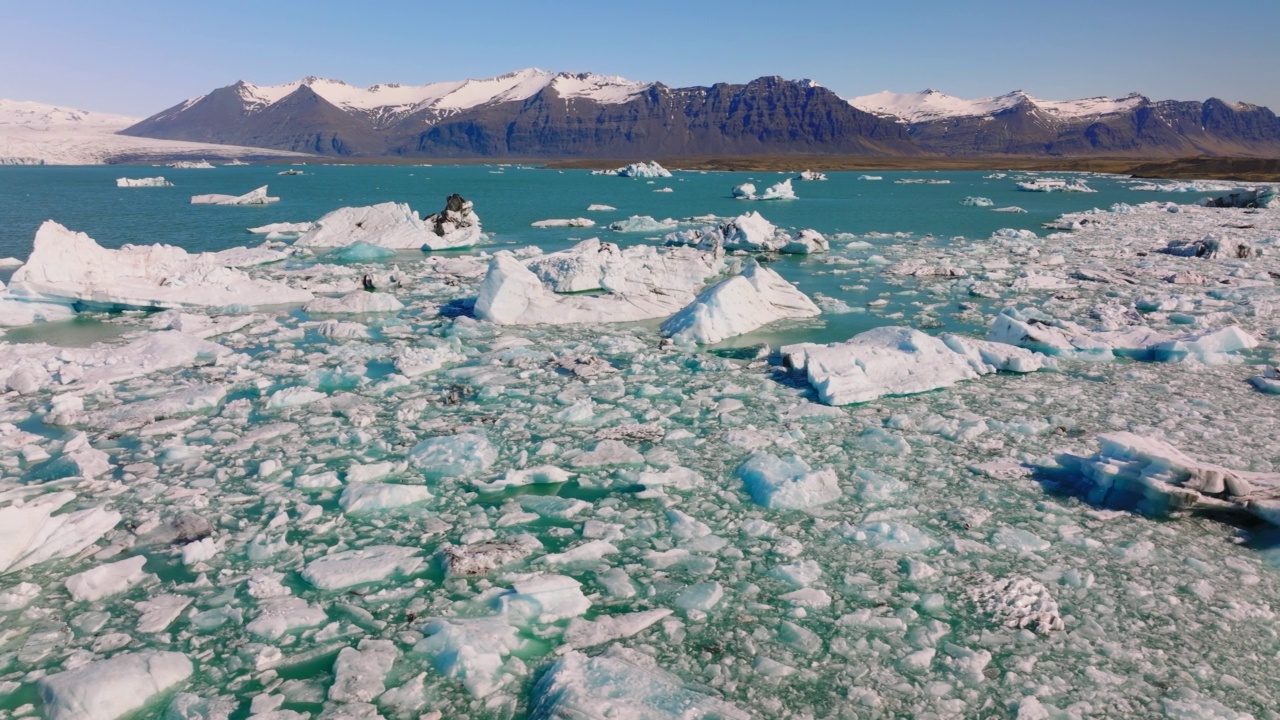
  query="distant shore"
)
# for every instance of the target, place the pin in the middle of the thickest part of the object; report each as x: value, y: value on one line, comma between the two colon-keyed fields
x: 1207, y: 168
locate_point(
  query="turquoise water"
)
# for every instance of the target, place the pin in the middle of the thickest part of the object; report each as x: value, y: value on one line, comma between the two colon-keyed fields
x: 507, y: 201
x: 509, y: 198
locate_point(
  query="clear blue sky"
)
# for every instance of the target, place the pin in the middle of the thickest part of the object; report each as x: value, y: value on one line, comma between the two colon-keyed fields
x: 139, y: 57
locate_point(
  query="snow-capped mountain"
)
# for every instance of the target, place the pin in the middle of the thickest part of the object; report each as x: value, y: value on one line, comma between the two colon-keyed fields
x: 530, y: 113
x: 929, y: 105
x: 34, y: 133
x: 386, y: 104
x: 535, y: 113
x: 1017, y: 123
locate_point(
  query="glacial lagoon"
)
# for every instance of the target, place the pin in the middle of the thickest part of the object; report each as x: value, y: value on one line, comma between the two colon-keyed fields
x: 277, y: 513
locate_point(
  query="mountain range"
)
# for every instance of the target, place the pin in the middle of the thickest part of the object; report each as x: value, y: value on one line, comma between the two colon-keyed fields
x: 535, y: 114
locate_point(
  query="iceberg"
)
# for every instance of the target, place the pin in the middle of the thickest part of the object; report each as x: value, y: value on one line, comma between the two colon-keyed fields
x: 143, y: 182
x: 374, y: 563
x: 191, y: 165
x: 787, y: 483
x: 1016, y: 602
x: 642, y: 281
x: 650, y: 169
x: 977, y: 202
x: 749, y: 300
x: 900, y: 361
x: 30, y: 533
x: 359, y: 301
x: 70, y: 267
x: 562, y: 223
x: 779, y: 191
x: 1029, y: 328
x: 472, y: 650
x: 396, y: 226
x: 253, y: 197
x: 108, y: 689
x: 1054, y: 185
x: 811, y: 175
x: 1155, y: 478
x: 751, y: 232
x: 621, y: 683
x: 642, y: 224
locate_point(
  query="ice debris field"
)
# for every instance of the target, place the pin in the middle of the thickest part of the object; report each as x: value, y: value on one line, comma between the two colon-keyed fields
x: 375, y: 464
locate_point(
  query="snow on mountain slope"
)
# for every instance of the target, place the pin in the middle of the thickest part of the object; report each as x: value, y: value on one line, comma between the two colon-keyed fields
x: 37, y: 134
x: 47, y: 117
x: 931, y: 105
x: 446, y: 98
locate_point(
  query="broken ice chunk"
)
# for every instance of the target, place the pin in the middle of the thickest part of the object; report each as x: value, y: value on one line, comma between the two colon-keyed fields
x: 544, y: 599
x: 473, y: 650
x: 787, y: 484
x: 607, y: 628
x: 621, y: 683
x: 354, y: 567
x: 1016, y: 601
x: 108, y: 579
x: 463, y: 454
x: 360, y: 674
x: 480, y: 558
x: 108, y: 689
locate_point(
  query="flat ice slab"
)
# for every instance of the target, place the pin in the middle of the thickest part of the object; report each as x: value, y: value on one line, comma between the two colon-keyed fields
x: 108, y: 689
x: 396, y: 226
x: 900, y: 361
x: 621, y: 684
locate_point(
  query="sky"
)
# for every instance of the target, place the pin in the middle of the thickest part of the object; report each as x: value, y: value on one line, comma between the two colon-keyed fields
x: 138, y: 57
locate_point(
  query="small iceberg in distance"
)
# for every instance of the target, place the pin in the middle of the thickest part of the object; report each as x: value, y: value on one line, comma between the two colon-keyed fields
x: 253, y: 197
x: 142, y: 182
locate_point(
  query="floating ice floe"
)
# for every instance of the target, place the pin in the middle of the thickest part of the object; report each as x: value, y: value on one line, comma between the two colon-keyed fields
x: 901, y: 361
x: 749, y: 300
x: 29, y: 367
x: 1243, y: 198
x: 1029, y: 328
x: 1182, y: 186
x: 253, y: 197
x: 472, y: 650
x: 191, y: 165
x: 565, y: 222
x: 621, y: 683
x: 374, y: 563
x: 1155, y: 478
x: 1268, y: 381
x: 397, y: 226
x: 143, y: 182
x: 70, y: 267
x: 1211, y: 247
x: 811, y: 175
x: 30, y: 532
x: 20, y: 311
x: 641, y: 282
x: 870, y: 177
x: 642, y: 224
x: 779, y: 191
x: 650, y: 169
x: 108, y: 689
x: 359, y: 301
x: 977, y: 202
x: 282, y: 230
x: 751, y: 232
x: 600, y: 207
x: 787, y: 483
x: 1054, y: 185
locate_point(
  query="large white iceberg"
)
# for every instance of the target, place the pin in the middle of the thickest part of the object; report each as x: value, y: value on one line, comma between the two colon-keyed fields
x: 751, y: 299
x: 621, y: 684
x: 257, y: 196
x: 900, y: 361
x: 70, y: 267
x: 108, y: 689
x: 396, y: 226
x: 641, y: 282
x: 650, y: 169
x: 30, y: 533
